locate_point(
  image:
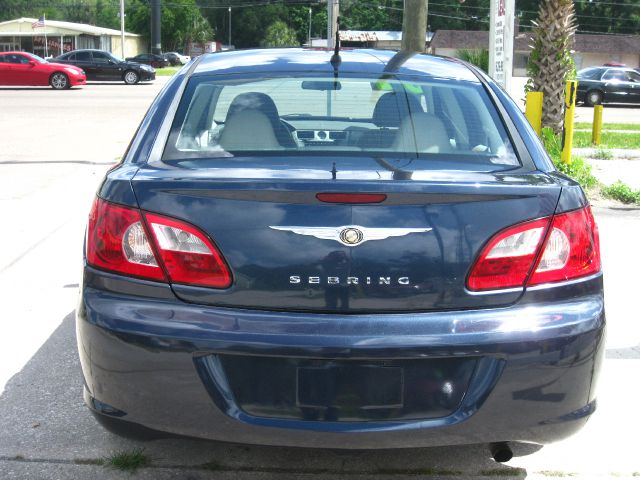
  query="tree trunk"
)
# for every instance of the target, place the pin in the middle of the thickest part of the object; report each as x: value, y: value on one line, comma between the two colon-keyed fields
x: 550, y: 61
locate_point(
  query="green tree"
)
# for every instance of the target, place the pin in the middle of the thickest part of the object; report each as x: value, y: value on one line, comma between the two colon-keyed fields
x: 108, y: 14
x: 478, y: 57
x: 181, y: 23
x: 278, y: 34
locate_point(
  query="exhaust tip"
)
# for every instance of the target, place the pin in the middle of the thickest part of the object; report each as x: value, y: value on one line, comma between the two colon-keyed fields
x: 501, y: 452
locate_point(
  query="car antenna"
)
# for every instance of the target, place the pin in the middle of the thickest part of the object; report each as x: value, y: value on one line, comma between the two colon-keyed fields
x: 335, y: 58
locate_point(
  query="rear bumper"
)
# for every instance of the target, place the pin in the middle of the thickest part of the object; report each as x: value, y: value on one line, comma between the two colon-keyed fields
x: 154, y: 361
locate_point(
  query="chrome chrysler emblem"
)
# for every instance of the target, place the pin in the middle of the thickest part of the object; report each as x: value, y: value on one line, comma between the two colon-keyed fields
x: 350, y: 235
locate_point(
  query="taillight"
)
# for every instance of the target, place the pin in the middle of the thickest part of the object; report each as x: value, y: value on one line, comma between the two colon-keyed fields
x: 507, y: 259
x: 569, y: 244
x: 117, y: 241
x: 572, y: 249
x: 188, y: 255
x: 121, y: 241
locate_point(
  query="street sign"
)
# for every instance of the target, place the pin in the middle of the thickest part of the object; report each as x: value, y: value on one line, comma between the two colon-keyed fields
x: 501, y: 41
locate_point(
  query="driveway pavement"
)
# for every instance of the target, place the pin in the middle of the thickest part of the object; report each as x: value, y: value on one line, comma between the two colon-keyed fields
x: 47, y: 433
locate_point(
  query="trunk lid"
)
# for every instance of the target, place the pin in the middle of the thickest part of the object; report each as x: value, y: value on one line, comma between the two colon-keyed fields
x: 272, y: 230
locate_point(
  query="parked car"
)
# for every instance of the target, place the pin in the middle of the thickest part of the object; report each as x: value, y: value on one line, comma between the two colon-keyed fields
x: 156, y: 61
x: 100, y: 65
x: 22, y: 68
x: 175, y: 58
x: 598, y: 85
x: 373, y: 251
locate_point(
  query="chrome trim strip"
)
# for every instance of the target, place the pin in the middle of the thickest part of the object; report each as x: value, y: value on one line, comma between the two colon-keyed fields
x: 163, y: 132
x: 494, y: 292
x: 335, y: 233
x: 545, y: 286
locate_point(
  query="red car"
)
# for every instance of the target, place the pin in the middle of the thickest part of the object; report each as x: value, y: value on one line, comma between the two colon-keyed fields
x: 22, y: 68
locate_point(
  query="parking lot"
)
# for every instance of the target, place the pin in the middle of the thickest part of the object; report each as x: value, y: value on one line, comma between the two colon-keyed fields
x: 56, y: 146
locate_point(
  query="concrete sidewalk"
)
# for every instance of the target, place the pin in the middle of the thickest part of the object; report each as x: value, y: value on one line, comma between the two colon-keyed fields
x: 46, y: 432
x: 623, y: 166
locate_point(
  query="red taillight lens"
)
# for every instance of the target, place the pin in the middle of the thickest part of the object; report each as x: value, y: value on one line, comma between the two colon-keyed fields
x: 571, y: 249
x: 507, y: 259
x: 119, y: 240
x: 188, y: 255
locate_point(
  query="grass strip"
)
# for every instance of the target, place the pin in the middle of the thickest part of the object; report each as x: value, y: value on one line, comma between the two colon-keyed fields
x: 128, y: 461
x: 166, y: 71
x: 609, y: 126
x: 504, y: 472
x: 608, y: 140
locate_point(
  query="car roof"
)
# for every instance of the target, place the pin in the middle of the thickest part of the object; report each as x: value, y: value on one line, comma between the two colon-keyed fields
x: 318, y: 60
x: 614, y: 69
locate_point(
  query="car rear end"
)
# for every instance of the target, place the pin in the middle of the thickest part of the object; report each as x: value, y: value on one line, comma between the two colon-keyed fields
x: 370, y: 255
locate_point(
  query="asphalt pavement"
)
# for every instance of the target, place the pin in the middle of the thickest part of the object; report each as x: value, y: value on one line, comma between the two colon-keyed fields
x: 56, y: 147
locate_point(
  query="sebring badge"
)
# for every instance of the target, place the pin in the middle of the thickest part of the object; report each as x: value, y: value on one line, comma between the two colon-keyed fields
x: 350, y: 235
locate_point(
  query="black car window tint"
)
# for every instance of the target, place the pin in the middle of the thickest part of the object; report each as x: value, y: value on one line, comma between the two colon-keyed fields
x: 614, y: 75
x: 633, y: 77
x: 100, y: 58
x: 83, y: 56
x: 18, y: 59
x: 2, y: 58
x: 71, y: 57
x: 591, y: 73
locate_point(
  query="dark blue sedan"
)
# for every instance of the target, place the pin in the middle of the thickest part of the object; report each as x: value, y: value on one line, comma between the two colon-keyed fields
x: 364, y: 251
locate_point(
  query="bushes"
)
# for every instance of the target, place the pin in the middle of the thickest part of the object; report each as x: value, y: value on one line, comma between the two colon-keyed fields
x: 478, y: 57
x: 622, y: 192
x: 580, y: 171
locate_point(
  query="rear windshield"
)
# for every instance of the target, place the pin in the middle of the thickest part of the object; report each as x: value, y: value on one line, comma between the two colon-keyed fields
x: 353, y: 116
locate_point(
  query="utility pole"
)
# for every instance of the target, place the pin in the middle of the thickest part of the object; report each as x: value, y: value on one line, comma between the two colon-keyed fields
x: 122, y: 26
x: 333, y: 11
x: 156, y: 45
x: 309, y: 34
x: 414, y: 25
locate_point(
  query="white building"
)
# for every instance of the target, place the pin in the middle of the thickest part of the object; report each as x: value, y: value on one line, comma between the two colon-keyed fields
x: 63, y: 37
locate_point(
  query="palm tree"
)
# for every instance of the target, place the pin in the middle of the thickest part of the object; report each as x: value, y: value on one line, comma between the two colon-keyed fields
x: 550, y: 63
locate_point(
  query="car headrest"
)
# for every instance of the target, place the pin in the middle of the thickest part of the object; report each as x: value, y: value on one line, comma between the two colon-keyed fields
x: 254, y: 101
x: 248, y: 130
x: 392, y: 108
x: 422, y: 133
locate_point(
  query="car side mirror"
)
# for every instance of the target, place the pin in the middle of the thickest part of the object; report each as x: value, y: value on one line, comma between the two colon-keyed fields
x: 32, y: 63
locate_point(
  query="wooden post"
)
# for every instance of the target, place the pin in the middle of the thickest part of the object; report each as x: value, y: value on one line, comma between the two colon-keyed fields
x: 414, y: 25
